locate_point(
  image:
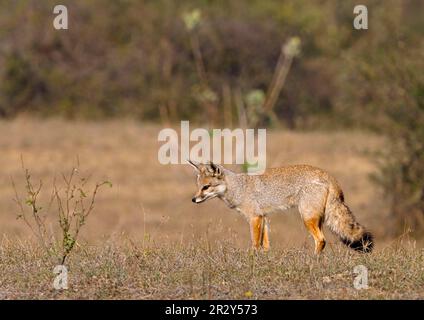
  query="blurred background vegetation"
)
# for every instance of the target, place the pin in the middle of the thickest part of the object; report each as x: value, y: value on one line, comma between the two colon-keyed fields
x: 214, y: 62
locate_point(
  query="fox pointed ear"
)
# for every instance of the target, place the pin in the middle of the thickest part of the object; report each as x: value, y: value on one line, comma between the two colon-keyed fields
x: 218, y: 170
x: 194, y: 164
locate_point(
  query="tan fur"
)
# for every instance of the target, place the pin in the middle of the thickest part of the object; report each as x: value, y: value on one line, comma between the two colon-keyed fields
x: 313, y: 191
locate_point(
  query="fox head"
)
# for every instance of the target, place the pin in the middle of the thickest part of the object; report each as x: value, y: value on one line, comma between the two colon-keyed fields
x: 210, y: 181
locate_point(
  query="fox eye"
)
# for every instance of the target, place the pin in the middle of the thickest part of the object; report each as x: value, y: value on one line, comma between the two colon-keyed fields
x: 206, y: 187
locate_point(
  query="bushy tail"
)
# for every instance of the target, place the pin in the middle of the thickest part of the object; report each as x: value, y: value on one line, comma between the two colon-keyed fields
x: 341, y: 221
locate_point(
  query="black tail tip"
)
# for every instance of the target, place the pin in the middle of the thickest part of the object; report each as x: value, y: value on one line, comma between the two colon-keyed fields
x: 365, y: 244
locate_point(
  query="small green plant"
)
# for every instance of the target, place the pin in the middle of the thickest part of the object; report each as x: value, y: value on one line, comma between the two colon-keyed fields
x: 254, y: 102
x: 246, y: 166
x: 71, y: 204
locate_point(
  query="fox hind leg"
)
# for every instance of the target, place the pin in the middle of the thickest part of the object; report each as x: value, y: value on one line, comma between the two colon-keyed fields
x: 314, y: 226
x: 312, y: 210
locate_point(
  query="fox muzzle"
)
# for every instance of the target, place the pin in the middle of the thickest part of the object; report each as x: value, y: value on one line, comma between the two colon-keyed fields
x: 198, y: 200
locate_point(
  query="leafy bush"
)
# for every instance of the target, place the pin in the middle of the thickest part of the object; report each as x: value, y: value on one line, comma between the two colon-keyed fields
x: 390, y: 99
x: 133, y: 58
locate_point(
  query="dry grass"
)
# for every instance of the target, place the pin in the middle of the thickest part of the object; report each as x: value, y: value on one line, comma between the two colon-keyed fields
x: 181, y: 250
x: 204, y: 270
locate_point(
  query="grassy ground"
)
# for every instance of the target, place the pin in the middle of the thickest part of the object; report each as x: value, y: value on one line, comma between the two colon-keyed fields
x: 204, y: 270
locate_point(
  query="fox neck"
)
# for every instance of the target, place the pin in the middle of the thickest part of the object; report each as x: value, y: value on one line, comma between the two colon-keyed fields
x: 234, y: 192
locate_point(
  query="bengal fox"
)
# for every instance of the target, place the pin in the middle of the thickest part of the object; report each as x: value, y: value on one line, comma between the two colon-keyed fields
x: 315, y: 193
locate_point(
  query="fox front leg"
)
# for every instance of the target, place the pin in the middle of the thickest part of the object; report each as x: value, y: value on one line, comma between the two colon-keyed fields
x: 259, y: 232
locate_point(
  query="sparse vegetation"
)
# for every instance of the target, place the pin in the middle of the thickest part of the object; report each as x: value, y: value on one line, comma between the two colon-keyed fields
x: 202, y: 270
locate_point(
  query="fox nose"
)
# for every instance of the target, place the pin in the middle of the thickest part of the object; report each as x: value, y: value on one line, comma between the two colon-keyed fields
x: 193, y: 199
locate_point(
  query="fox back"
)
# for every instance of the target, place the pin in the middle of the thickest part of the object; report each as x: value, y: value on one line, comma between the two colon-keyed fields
x: 313, y: 191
